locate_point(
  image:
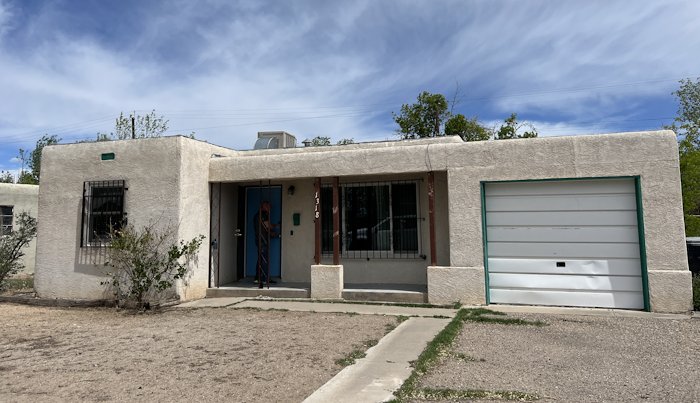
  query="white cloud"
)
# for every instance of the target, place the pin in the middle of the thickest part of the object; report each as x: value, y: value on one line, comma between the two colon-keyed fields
x: 5, y: 19
x: 338, y: 70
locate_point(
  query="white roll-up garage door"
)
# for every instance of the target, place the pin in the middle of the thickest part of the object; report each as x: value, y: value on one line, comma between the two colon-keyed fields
x: 564, y: 243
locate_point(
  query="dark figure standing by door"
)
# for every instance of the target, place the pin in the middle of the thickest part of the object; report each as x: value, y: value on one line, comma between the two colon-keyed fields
x: 263, y: 233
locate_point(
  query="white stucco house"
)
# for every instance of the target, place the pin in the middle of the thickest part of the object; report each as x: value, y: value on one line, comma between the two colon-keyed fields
x: 592, y: 221
x: 16, y: 199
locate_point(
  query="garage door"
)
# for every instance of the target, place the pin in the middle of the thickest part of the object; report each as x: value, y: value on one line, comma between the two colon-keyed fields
x: 564, y: 243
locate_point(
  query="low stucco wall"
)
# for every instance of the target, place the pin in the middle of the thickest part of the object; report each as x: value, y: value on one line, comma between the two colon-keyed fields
x: 22, y: 198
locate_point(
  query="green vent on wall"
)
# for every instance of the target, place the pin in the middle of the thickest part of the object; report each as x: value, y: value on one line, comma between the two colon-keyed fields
x: 107, y: 156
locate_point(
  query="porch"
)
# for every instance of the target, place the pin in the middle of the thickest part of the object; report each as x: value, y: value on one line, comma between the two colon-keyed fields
x: 400, y: 293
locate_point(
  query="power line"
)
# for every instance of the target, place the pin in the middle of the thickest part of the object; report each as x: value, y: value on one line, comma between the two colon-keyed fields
x: 348, y: 111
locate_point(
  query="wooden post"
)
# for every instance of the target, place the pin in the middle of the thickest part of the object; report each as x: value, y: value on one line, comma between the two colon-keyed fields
x: 317, y: 220
x: 431, y: 218
x: 336, y: 223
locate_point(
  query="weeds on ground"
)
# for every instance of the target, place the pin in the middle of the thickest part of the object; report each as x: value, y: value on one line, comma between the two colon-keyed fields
x: 696, y: 292
x: 488, y: 316
x: 441, y: 345
x: 357, y: 353
x: 19, y: 284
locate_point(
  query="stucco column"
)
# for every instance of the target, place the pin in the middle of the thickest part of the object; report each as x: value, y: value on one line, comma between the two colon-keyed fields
x: 326, y: 281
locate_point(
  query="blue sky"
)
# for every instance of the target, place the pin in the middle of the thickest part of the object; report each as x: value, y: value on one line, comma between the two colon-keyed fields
x: 228, y: 69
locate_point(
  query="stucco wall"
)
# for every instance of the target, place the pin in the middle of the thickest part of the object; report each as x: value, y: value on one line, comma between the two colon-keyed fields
x: 166, y: 182
x: 194, y: 208
x: 23, y: 198
x: 651, y: 155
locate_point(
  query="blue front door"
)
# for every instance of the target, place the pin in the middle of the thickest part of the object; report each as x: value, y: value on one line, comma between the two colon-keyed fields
x: 254, y: 197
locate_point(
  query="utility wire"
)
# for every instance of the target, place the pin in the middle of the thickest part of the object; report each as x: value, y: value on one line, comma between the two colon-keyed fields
x: 349, y: 111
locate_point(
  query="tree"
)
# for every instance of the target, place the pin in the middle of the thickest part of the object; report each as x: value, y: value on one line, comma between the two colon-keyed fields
x: 687, y: 122
x: 343, y: 142
x: 32, y: 160
x: 144, y: 126
x: 467, y: 129
x: 687, y: 127
x: 12, y: 244
x: 319, y: 141
x: 146, y: 263
x: 511, y: 129
x: 6, y: 177
x: 424, y: 118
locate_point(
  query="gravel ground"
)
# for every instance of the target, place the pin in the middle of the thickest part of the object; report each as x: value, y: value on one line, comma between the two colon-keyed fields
x: 54, y: 354
x: 578, y: 358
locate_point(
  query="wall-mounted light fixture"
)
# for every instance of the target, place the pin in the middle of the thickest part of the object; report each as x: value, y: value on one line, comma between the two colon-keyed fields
x: 290, y: 190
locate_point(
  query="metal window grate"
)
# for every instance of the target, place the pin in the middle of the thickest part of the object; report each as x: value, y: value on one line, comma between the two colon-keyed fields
x: 379, y: 220
x: 6, y: 218
x: 103, y: 211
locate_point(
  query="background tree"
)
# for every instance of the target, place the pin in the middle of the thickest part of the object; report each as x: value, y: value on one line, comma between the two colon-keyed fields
x: 6, y: 177
x: 423, y: 118
x: 687, y: 122
x: 12, y: 245
x: 687, y: 127
x: 32, y: 160
x: 319, y: 141
x: 467, y: 129
x: 511, y: 129
x: 144, y: 126
x: 343, y: 142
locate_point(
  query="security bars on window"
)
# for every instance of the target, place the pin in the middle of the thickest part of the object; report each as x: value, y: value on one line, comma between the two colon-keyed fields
x: 379, y: 220
x: 103, y: 211
x: 5, y: 220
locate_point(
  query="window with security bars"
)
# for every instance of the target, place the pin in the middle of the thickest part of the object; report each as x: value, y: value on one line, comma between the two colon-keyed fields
x: 6, y: 218
x: 378, y: 220
x: 103, y: 211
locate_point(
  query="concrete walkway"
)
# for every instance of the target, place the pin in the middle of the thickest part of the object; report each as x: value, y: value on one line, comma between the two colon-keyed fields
x: 318, y: 306
x: 385, y: 368
x: 345, y: 308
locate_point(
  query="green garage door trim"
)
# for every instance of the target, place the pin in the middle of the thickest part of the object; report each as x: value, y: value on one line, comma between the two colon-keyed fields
x: 633, y: 247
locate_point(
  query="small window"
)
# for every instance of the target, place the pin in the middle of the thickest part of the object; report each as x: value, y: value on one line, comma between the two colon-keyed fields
x: 103, y: 211
x: 5, y: 220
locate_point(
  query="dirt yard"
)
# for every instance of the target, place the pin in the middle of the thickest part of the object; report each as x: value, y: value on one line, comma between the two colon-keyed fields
x: 577, y: 358
x: 81, y: 354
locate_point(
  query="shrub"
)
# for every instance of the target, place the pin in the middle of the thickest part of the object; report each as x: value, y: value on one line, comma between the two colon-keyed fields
x: 146, y: 262
x: 12, y: 244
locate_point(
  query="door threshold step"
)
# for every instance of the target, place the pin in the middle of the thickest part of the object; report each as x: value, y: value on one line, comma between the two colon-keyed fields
x: 272, y: 292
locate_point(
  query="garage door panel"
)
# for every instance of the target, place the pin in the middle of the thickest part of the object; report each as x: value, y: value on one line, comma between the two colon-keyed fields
x: 619, y: 299
x: 607, y: 186
x: 615, y: 267
x: 563, y: 234
x: 564, y: 243
x: 561, y: 202
x: 551, y: 282
x: 563, y: 250
x: 562, y: 218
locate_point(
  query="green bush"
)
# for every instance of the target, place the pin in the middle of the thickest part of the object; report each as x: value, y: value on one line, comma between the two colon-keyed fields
x: 146, y: 262
x: 12, y: 244
x: 692, y: 225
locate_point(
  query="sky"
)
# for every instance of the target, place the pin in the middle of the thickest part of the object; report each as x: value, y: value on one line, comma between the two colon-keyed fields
x: 228, y: 69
